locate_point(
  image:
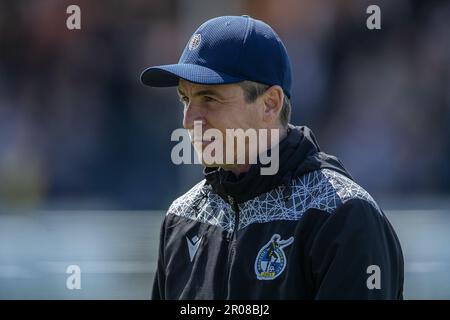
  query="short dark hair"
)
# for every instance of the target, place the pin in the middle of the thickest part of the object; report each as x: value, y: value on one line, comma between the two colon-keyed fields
x: 252, y: 90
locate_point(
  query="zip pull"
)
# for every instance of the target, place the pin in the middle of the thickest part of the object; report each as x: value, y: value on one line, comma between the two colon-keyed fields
x: 233, y: 204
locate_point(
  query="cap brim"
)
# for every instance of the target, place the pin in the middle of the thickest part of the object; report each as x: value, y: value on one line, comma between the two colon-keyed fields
x: 169, y: 75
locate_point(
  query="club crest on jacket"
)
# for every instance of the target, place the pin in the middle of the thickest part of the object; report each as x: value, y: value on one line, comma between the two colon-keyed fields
x: 271, y: 260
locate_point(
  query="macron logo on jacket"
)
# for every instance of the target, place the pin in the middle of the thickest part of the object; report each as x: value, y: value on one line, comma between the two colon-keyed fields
x: 193, y: 245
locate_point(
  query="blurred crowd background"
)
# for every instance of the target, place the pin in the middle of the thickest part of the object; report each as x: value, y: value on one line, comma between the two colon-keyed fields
x: 78, y: 129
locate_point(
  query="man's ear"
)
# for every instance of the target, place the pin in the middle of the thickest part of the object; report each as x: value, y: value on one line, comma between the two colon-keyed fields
x: 273, y: 102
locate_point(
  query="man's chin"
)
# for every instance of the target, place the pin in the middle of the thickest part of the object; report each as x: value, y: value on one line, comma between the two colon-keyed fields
x: 209, y: 162
x: 210, y: 165
x: 213, y: 164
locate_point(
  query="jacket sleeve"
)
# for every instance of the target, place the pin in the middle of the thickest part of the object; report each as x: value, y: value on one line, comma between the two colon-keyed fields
x: 356, y: 255
x: 158, y: 291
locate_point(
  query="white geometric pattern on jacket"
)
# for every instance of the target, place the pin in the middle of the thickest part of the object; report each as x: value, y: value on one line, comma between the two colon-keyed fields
x: 323, y: 189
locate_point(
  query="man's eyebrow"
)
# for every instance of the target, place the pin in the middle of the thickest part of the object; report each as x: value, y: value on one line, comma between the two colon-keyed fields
x: 208, y: 92
x: 205, y: 92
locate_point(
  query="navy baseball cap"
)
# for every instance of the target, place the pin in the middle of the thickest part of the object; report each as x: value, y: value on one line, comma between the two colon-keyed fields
x: 228, y: 49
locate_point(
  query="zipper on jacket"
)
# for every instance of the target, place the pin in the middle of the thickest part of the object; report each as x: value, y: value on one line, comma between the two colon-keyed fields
x: 231, y: 243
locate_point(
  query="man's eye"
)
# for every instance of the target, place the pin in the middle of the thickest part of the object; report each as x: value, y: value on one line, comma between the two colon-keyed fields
x: 208, y: 99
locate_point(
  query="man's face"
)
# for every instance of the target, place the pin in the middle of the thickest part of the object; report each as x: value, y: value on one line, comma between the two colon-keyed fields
x: 218, y: 107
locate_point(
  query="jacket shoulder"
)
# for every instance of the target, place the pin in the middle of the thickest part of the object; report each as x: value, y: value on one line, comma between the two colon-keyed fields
x: 341, y: 189
x: 183, y: 204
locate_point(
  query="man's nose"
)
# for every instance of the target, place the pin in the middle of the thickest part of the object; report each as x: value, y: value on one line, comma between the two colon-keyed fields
x: 192, y: 112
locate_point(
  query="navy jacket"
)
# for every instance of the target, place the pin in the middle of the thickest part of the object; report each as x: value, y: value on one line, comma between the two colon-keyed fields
x: 307, y: 232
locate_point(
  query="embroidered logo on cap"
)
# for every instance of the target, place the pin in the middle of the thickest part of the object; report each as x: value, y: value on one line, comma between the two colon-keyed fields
x: 195, y: 41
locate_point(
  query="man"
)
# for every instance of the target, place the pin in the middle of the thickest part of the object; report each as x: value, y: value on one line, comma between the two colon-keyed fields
x: 306, y: 232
